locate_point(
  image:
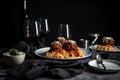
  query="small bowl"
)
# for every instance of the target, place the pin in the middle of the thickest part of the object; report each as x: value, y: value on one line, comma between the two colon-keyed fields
x: 12, y: 60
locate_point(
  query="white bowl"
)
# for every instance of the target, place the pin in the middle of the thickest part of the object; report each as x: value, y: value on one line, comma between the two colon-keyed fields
x: 12, y: 60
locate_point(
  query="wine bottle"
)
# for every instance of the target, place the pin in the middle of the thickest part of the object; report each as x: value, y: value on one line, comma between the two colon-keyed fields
x: 25, y: 12
x: 26, y: 19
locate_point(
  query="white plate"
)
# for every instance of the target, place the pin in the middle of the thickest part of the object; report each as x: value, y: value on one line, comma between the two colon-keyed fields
x: 94, y: 47
x: 41, y: 53
x: 42, y: 50
x: 111, y: 65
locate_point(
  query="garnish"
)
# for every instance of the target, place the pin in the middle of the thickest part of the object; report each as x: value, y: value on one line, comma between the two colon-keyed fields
x: 14, y: 51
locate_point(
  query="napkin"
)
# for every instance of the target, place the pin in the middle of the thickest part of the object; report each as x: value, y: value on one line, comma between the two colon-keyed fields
x: 3, y: 72
x: 46, y: 68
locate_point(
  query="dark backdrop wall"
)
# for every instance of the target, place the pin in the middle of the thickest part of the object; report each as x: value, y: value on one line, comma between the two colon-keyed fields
x: 84, y: 17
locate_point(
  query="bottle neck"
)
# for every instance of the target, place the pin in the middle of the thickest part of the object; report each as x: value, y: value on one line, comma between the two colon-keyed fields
x: 25, y: 10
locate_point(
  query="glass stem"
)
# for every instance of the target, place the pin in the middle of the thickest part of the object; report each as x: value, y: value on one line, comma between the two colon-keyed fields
x: 93, y: 42
x: 39, y: 43
x: 43, y: 41
x: 31, y: 47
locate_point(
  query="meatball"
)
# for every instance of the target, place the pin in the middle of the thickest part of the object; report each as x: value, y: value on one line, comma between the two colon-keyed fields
x: 108, y: 41
x: 62, y: 40
x: 70, y: 45
x: 56, y: 45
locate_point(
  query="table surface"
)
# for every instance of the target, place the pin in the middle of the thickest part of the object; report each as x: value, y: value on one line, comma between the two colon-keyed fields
x: 87, y: 74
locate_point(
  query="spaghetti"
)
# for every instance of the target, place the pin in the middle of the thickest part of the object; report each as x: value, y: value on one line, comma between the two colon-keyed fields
x: 64, y: 49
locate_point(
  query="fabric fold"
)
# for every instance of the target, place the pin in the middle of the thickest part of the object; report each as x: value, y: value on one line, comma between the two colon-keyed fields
x: 49, y: 68
x: 46, y: 68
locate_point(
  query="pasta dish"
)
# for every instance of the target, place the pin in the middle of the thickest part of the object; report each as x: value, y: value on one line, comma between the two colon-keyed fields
x: 62, y: 48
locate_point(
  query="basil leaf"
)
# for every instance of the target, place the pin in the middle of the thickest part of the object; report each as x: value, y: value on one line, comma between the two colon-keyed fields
x: 14, y: 51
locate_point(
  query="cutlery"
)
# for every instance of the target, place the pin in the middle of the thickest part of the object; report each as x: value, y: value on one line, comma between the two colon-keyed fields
x: 100, y: 61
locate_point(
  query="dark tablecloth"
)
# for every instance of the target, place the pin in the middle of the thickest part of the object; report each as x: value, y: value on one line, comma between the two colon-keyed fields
x: 36, y: 68
x: 35, y: 72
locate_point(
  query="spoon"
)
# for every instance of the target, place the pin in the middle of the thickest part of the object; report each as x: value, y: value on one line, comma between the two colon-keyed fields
x: 100, y: 61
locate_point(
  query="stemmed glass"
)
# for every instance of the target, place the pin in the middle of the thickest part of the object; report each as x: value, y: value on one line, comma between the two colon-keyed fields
x: 93, y: 37
x: 31, y: 34
x: 43, y: 30
x: 64, y: 31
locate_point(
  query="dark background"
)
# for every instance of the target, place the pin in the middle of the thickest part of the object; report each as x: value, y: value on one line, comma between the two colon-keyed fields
x: 84, y: 17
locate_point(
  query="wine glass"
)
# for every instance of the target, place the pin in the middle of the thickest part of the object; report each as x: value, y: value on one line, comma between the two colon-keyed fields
x: 31, y: 35
x: 93, y: 37
x: 64, y: 31
x: 43, y: 30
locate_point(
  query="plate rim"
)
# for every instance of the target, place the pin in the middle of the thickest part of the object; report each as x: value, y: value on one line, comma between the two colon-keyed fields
x: 40, y: 49
x: 78, y: 58
x: 107, y: 60
x: 118, y: 50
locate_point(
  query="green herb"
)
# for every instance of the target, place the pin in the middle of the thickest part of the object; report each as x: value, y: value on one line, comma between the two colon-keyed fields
x: 14, y: 51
